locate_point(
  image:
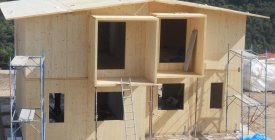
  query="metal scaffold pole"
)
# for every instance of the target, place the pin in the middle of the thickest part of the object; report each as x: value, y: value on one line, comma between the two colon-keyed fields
x: 242, y: 114
x: 227, y: 76
x: 249, y: 95
x: 246, y: 99
x: 27, y: 115
x: 43, y: 137
x: 265, y: 105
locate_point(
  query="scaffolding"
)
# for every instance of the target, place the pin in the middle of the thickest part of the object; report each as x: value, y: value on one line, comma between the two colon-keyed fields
x: 26, y: 115
x: 246, y: 99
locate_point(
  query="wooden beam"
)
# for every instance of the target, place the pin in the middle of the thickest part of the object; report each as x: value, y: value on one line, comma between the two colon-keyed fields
x: 124, y: 18
x: 179, y: 15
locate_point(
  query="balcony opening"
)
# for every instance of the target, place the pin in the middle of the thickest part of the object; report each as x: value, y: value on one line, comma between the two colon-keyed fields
x: 173, y: 40
x: 111, y: 45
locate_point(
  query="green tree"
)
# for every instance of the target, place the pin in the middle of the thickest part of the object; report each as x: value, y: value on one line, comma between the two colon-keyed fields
x: 6, y: 40
x: 260, y: 33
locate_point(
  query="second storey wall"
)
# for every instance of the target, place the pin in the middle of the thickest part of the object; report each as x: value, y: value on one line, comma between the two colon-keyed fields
x: 65, y: 42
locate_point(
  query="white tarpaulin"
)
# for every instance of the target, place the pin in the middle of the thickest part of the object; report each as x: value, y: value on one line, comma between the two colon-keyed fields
x: 257, y: 79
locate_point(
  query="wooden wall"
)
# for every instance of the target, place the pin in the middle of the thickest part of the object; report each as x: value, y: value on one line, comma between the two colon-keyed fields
x: 213, y: 120
x: 221, y: 29
x: 66, y: 43
x: 116, y: 129
x: 135, y: 46
x: 64, y: 40
x: 208, y: 120
x: 77, y: 109
x: 175, y: 121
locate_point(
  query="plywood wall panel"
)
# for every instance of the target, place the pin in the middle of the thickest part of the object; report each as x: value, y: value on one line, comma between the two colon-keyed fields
x: 222, y: 29
x: 64, y: 40
x: 152, y: 42
x: 169, y: 122
x: 135, y: 44
x: 107, y: 127
x: 213, y: 120
x: 76, y: 112
x: 92, y: 54
x: 135, y: 9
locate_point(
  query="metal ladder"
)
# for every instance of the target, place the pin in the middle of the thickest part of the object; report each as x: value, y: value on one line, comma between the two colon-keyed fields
x: 128, y: 107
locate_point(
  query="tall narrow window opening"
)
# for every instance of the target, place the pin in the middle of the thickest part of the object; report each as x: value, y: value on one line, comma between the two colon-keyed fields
x: 173, y: 40
x: 56, y: 107
x: 111, y: 45
x: 216, y: 95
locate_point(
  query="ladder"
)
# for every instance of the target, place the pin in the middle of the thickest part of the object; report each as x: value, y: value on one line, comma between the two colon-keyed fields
x: 128, y: 107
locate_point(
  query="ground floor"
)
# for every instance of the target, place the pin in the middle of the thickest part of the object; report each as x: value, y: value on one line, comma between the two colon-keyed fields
x: 170, y: 107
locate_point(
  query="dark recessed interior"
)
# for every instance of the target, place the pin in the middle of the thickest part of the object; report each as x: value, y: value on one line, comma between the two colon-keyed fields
x: 56, y: 107
x: 173, y: 40
x: 111, y: 45
x: 109, y: 106
x: 171, y: 97
x: 216, y: 95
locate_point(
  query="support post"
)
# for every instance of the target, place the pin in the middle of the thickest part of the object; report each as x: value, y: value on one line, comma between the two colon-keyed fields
x: 242, y: 114
x: 11, y: 103
x: 249, y: 95
x: 42, y: 120
x: 151, y: 113
x: 96, y: 116
x: 196, y: 106
x: 265, y: 101
x: 227, y: 85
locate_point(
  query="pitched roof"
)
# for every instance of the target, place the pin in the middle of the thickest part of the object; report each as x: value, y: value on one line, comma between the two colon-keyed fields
x: 31, y: 8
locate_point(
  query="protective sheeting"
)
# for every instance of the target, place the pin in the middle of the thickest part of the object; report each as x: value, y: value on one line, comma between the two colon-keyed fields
x: 256, y: 82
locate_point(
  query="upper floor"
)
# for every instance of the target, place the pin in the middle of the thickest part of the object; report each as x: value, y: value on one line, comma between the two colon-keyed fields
x: 148, y: 41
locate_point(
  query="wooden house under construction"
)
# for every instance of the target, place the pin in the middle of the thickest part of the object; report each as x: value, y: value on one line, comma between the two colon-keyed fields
x: 167, y: 57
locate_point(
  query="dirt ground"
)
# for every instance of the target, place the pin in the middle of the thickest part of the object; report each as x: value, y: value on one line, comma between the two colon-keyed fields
x: 4, y: 83
x: 257, y: 126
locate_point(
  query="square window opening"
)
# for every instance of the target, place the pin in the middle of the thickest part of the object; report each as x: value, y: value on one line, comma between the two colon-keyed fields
x: 216, y: 95
x: 111, y: 45
x: 171, y: 97
x: 173, y: 40
x: 109, y: 106
x: 56, y: 107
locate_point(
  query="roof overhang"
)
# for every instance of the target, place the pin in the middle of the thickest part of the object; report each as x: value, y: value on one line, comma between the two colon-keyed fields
x: 33, y: 8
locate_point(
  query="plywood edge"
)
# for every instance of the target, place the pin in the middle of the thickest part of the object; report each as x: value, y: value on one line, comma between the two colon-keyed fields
x: 176, y: 74
x: 124, y: 18
x: 112, y: 82
x: 208, y: 7
x: 179, y: 15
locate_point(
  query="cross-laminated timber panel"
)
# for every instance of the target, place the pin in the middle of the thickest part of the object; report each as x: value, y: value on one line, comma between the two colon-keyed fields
x: 222, y: 29
x: 195, y: 21
x: 64, y: 40
x: 140, y: 102
x: 140, y: 48
x: 78, y: 108
x: 208, y: 120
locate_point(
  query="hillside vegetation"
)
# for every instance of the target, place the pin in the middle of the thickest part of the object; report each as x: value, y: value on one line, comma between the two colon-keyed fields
x: 6, y: 40
x: 260, y: 32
